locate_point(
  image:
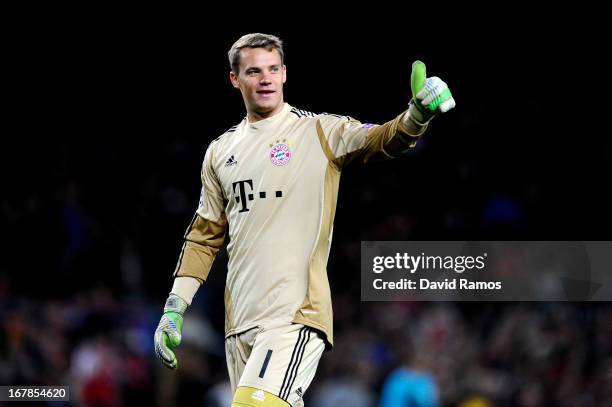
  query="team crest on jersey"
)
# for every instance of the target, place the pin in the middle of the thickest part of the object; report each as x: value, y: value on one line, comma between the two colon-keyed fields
x: 280, y: 154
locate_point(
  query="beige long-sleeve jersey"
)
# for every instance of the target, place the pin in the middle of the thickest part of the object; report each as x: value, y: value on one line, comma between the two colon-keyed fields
x: 271, y: 186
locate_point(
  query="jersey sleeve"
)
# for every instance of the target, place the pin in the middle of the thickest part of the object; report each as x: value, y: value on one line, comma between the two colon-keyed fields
x: 206, y: 232
x: 345, y: 139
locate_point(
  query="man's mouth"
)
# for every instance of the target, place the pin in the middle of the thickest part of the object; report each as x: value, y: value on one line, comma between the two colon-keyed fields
x: 265, y: 92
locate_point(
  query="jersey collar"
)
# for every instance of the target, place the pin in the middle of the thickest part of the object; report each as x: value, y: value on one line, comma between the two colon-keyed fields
x: 270, y: 121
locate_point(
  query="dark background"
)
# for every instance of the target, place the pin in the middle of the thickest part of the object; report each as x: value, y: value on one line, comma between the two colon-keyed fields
x: 105, y: 122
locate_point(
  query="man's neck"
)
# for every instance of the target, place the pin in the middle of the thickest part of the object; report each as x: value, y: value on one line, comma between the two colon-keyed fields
x: 254, y: 117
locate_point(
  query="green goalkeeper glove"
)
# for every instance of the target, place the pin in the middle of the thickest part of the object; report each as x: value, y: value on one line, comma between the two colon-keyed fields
x: 168, y: 332
x: 430, y: 96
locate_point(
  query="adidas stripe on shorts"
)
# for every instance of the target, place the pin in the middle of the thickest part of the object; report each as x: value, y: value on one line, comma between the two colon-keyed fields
x: 281, y: 360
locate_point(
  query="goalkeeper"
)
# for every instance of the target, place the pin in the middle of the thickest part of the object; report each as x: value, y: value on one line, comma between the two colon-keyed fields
x: 270, y: 184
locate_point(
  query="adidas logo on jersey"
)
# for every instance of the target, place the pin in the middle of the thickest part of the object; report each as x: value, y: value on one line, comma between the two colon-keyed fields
x: 299, y: 392
x: 258, y: 395
x: 231, y: 161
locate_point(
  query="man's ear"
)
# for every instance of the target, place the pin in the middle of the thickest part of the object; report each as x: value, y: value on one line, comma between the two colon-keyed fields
x: 284, y: 73
x: 234, y: 80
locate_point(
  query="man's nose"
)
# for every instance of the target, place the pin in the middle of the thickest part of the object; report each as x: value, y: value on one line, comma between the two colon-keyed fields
x: 265, y: 80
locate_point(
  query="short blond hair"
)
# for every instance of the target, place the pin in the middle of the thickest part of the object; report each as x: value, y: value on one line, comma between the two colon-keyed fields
x: 254, y: 40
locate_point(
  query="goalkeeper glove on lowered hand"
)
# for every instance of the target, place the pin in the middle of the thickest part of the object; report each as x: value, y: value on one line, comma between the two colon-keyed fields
x: 430, y: 96
x: 168, y: 332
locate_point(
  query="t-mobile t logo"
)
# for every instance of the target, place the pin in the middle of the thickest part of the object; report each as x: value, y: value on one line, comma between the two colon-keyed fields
x: 245, y: 193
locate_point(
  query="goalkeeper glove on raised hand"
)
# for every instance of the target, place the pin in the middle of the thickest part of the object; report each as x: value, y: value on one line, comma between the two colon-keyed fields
x: 430, y: 96
x: 168, y: 332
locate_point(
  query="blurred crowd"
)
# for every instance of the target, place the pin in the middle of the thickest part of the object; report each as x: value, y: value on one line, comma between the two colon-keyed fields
x: 491, y: 354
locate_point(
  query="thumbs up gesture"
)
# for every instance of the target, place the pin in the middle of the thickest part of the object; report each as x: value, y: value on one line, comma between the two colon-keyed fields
x: 430, y: 95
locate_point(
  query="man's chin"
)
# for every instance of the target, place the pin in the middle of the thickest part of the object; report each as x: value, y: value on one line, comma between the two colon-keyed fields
x: 265, y: 109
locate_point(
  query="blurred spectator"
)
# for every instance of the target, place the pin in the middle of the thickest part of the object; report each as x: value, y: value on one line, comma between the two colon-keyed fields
x: 413, y: 384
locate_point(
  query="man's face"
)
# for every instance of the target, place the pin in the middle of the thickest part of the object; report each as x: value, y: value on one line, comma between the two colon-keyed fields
x: 260, y: 80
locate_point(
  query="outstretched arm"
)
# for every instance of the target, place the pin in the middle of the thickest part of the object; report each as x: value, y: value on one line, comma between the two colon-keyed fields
x: 349, y: 139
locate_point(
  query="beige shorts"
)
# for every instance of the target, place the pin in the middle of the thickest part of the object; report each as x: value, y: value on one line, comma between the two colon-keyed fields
x: 281, y: 361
